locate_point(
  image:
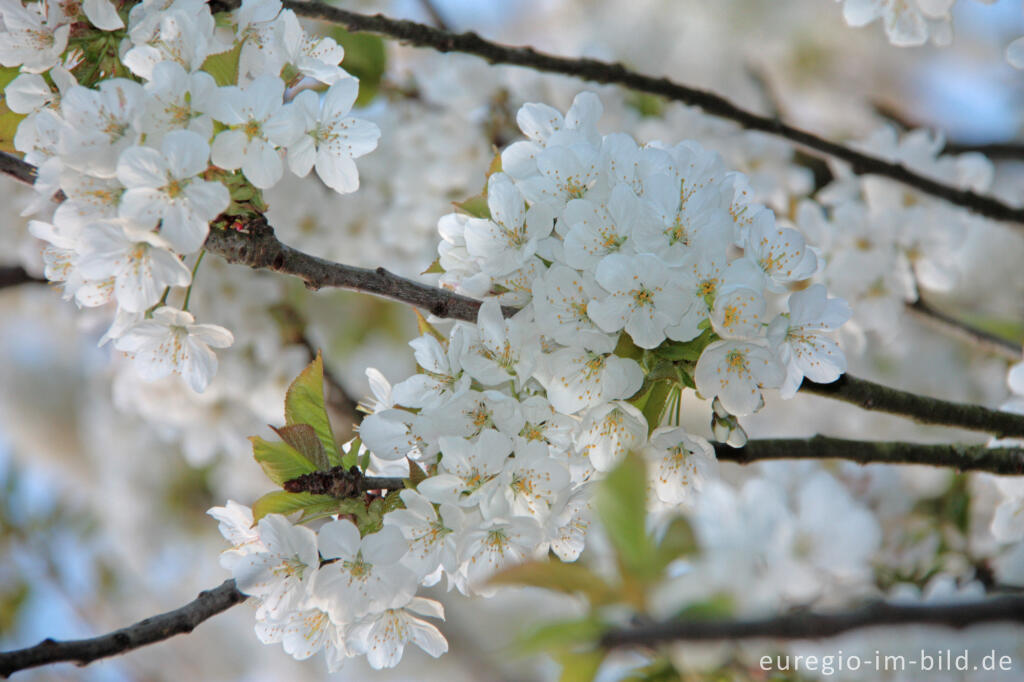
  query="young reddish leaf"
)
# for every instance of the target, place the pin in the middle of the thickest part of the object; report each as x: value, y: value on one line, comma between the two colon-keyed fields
x: 303, y: 438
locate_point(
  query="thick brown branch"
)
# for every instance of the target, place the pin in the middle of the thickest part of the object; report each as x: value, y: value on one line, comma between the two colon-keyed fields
x: 16, y: 168
x: 984, y: 340
x: 922, y: 409
x: 613, y: 73
x: 15, y: 275
x: 341, y: 482
x: 257, y: 247
x: 808, y: 625
x: 148, y: 631
x: 958, y: 456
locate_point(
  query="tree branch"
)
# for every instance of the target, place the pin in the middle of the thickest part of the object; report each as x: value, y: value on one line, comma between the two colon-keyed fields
x: 154, y: 629
x: 598, y: 71
x: 15, y: 275
x: 809, y: 625
x: 984, y: 340
x: 256, y: 245
x: 960, y: 456
x: 871, y: 396
x: 341, y: 482
x: 16, y: 168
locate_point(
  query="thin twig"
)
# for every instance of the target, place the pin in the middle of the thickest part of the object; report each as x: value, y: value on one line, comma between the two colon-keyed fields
x: 871, y: 396
x: 612, y: 73
x: 435, y: 15
x: 809, y: 625
x: 986, y: 341
x: 960, y: 456
x: 148, y: 631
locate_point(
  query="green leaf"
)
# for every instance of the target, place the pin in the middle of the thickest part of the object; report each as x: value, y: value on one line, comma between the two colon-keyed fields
x: 224, y: 66
x: 581, y: 666
x: 416, y: 474
x: 559, y: 635
x: 621, y: 505
x: 373, y: 520
x: 570, y: 578
x: 645, y: 104
x: 9, y: 122
x: 475, y: 207
x: 281, y: 502
x: 304, y: 404
x: 434, y: 268
x: 688, y: 351
x: 716, y: 607
x: 365, y: 58
x: 350, y: 453
x: 7, y: 74
x: 654, y: 406
x: 495, y: 165
x: 303, y: 438
x: 280, y: 461
x: 679, y: 541
x: 425, y: 327
x: 393, y: 501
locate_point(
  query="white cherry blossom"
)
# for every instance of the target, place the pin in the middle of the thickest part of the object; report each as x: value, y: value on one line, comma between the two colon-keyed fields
x: 140, y: 263
x: 28, y: 39
x: 679, y: 463
x: 495, y: 544
x: 171, y: 342
x: 249, y: 142
x: 509, y: 238
x: 163, y: 187
x: 280, y: 574
x: 365, y: 576
x: 737, y: 372
x: 319, y: 131
x: 576, y: 378
x: 382, y: 636
x: 642, y: 298
x: 468, y: 471
x: 801, y: 340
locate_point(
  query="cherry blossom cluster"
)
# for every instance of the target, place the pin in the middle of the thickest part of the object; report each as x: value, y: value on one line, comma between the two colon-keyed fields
x: 623, y: 269
x: 153, y: 123
x: 883, y: 243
